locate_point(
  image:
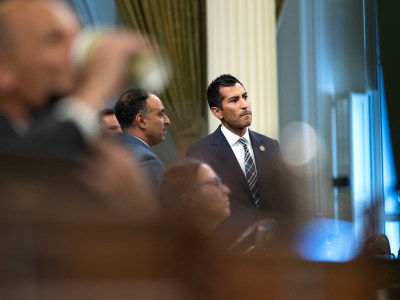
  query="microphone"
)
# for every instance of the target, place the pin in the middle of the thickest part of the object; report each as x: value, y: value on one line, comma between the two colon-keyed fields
x: 257, y: 237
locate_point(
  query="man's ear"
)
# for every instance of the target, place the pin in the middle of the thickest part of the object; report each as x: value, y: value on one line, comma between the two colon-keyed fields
x: 140, y: 121
x: 216, y: 112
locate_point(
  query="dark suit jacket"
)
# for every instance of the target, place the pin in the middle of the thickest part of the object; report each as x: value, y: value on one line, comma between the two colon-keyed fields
x: 146, y: 158
x: 215, y: 150
x: 47, y: 137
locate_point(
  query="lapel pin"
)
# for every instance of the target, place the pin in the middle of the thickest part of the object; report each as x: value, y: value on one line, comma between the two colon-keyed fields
x: 262, y: 148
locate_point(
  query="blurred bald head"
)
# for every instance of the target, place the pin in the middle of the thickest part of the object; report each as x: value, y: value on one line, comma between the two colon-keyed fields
x: 36, y: 38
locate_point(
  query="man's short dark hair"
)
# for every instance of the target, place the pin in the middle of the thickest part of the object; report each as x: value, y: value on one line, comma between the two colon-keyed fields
x: 214, y: 97
x: 129, y: 105
x: 106, y: 112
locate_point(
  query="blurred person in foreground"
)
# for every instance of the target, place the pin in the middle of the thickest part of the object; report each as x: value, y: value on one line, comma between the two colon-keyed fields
x: 47, y: 107
x: 80, y: 225
x: 144, y: 123
x: 62, y: 238
x: 191, y: 191
x: 110, y: 122
x: 48, y: 110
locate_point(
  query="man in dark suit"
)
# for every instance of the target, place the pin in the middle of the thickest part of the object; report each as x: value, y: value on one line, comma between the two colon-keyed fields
x: 247, y: 162
x: 144, y: 123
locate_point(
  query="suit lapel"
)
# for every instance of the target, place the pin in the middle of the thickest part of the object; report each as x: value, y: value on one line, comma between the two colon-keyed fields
x: 260, y: 150
x: 261, y: 153
x: 229, y: 160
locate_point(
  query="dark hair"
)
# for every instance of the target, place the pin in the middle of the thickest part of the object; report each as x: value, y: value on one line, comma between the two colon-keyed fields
x: 214, y: 97
x: 178, y: 178
x: 106, y: 112
x: 129, y: 105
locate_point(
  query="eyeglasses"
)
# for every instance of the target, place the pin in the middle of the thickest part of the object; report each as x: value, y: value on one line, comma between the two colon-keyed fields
x: 216, y: 181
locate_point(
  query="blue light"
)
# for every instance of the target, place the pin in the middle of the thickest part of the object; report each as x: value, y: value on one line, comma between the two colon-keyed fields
x: 327, y: 240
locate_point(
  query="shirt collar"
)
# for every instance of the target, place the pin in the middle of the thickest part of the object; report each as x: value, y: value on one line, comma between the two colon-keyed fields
x: 233, y: 138
x: 135, y: 137
x: 142, y: 141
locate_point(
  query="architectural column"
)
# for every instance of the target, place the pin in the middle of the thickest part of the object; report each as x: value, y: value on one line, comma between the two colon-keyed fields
x: 241, y: 41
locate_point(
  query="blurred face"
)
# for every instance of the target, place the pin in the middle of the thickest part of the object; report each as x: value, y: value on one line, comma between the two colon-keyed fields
x: 111, y: 125
x: 236, y: 109
x: 41, y: 33
x: 156, y: 121
x: 210, y: 197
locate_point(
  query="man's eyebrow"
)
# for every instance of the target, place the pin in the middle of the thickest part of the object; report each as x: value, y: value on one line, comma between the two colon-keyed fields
x: 233, y: 97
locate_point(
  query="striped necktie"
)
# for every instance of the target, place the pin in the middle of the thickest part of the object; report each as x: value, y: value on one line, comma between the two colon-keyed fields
x: 250, y: 172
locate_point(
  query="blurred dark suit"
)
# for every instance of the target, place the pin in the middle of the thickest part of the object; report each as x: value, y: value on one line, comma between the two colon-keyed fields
x: 46, y: 137
x: 147, y: 159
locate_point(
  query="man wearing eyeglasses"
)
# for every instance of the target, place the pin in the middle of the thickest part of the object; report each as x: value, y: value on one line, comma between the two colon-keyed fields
x: 245, y: 160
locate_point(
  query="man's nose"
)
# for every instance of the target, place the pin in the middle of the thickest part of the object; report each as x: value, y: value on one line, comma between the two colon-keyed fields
x: 244, y: 103
x: 167, y: 121
x: 225, y: 189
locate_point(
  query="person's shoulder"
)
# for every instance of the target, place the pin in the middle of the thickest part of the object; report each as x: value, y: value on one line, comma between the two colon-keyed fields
x: 133, y: 144
x: 131, y: 139
x: 207, y: 140
x: 260, y: 136
x: 197, y: 146
x: 203, y: 146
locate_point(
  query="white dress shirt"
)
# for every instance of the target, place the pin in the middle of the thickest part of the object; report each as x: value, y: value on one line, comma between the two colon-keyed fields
x: 236, y: 146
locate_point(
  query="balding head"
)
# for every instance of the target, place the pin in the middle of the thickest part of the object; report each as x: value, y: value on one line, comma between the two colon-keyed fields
x: 21, y: 17
x: 36, y: 39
